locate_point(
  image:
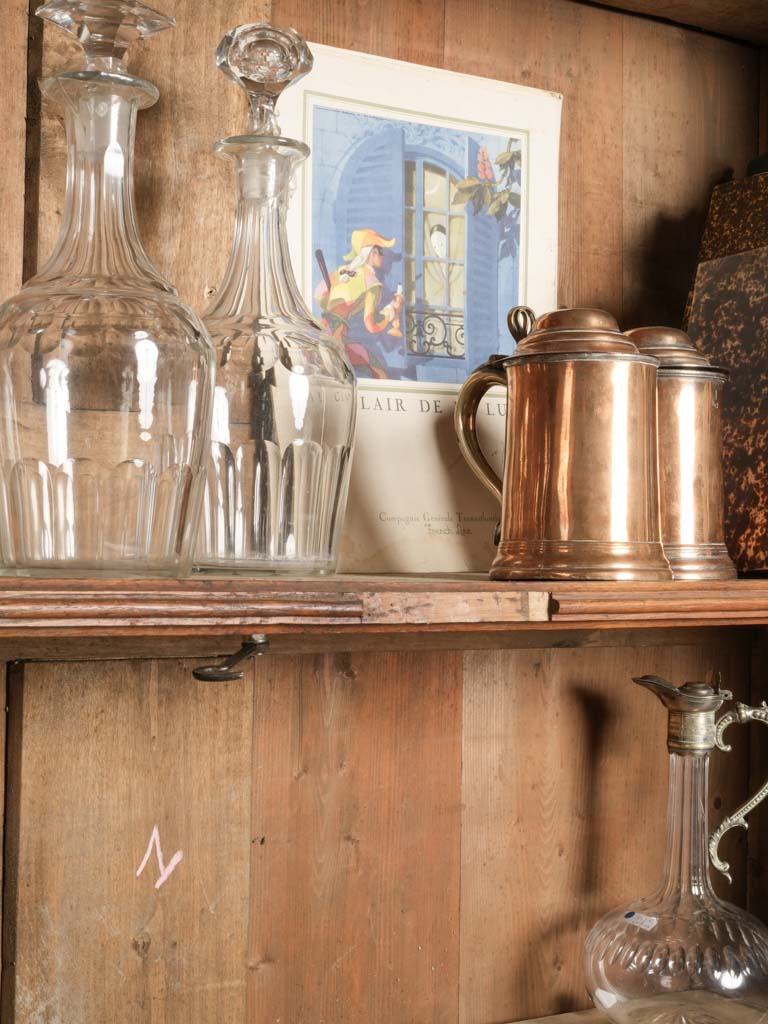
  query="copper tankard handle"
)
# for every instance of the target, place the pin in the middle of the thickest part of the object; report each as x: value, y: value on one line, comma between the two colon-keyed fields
x: 520, y: 321
x: 472, y: 391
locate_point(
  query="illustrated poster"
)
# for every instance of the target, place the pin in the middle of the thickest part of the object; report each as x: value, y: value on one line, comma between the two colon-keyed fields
x: 427, y: 209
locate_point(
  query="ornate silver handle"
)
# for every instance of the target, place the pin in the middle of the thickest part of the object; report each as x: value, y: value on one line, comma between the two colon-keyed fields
x: 741, y: 714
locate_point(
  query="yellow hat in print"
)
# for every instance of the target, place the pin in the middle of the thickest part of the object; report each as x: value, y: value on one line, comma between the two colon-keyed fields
x: 367, y: 236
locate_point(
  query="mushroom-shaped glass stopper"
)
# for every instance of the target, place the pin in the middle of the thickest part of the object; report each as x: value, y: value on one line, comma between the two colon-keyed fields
x: 264, y: 60
x: 105, y: 28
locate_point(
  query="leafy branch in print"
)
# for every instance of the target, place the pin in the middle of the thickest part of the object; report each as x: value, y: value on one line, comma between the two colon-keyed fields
x: 498, y: 193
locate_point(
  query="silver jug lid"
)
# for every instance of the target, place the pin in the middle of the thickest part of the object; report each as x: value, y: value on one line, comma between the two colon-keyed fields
x: 673, y: 348
x: 575, y: 331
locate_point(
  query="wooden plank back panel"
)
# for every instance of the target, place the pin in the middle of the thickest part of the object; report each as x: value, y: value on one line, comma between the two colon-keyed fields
x: 356, y: 839
x: 576, y: 51
x: 184, y: 194
x: 691, y: 113
x: 564, y: 793
x: 13, y: 90
x: 640, y: 149
x: 392, y: 836
x: 740, y: 19
x: 402, y: 29
x: 109, y: 751
x: 10, y: 750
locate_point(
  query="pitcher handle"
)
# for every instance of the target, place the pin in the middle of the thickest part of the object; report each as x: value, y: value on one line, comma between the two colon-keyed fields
x: 472, y: 391
x: 741, y: 714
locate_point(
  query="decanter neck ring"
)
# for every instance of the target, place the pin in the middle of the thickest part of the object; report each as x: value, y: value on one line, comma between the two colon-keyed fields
x: 66, y: 87
x: 264, y: 165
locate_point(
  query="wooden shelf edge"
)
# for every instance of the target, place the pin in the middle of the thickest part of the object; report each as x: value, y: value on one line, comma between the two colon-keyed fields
x: 612, y: 605
x: 582, y: 1017
x: 237, y: 605
x: 200, y: 607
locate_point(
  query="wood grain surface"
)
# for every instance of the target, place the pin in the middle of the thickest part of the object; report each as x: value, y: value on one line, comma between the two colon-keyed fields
x: 82, y: 612
x: 184, y: 194
x: 209, y: 649
x: 412, y: 836
x: 739, y: 19
x: 228, y: 607
x: 109, y: 751
x: 403, y: 837
x: 577, y: 51
x: 640, y: 149
x: 685, y: 96
x: 13, y: 93
x: 13, y: 132
x: 356, y: 839
x: 584, y: 1017
x: 564, y: 795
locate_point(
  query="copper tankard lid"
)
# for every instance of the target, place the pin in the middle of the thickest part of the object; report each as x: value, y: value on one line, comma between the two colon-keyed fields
x: 572, y: 331
x: 672, y: 348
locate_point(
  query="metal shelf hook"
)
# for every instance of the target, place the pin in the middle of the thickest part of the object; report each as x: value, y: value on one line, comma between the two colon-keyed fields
x: 225, y: 671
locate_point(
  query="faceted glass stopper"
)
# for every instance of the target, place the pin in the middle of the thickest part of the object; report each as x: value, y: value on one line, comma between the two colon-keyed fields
x: 105, y: 28
x: 264, y: 60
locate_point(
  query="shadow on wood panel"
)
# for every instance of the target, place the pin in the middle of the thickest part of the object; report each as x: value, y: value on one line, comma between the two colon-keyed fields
x: 663, y: 268
x: 564, y: 794
x: 33, y: 143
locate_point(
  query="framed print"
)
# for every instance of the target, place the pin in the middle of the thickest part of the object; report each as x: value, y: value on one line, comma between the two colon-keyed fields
x: 427, y: 209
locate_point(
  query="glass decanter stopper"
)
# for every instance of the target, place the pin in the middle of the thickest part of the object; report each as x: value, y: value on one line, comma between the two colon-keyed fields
x: 284, y: 405
x: 682, y: 955
x: 105, y: 375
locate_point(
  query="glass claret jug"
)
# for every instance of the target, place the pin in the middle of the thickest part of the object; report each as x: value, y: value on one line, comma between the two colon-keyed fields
x: 105, y: 375
x: 682, y: 955
x: 284, y: 406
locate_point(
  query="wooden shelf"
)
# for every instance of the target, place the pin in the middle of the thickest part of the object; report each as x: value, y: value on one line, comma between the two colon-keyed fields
x: 199, y: 613
x: 585, y: 1017
x: 235, y: 605
x: 738, y: 19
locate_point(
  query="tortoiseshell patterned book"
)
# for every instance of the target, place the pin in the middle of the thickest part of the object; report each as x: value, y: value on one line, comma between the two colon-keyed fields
x: 728, y: 319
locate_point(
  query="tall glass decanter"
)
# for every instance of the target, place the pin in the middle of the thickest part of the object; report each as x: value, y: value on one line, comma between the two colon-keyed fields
x: 284, y: 406
x: 682, y: 955
x: 105, y: 375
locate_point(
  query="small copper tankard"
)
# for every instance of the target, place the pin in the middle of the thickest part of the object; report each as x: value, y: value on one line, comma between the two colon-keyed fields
x: 580, y: 494
x: 690, y: 455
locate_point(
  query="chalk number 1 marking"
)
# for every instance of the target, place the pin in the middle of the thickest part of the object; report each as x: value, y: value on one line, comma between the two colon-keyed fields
x: 165, y: 872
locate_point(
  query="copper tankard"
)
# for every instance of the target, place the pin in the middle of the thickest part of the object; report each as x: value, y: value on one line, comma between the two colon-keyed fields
x: 690, y: 455
x: 580, y: 494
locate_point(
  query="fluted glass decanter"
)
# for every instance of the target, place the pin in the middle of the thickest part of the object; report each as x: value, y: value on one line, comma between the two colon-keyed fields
x: 105, y: 375
x: 284, y: 406
x: 682, y: 955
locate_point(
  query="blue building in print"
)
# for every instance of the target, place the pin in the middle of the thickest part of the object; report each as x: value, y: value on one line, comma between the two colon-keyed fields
x: 416, y: 229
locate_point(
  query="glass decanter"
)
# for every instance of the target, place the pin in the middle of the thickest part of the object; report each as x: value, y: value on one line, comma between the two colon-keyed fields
x: 284, y: 405
x: 682, y: 955
x: 105, y: 375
